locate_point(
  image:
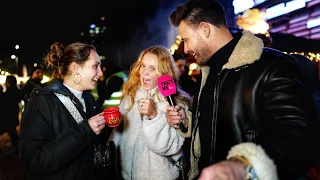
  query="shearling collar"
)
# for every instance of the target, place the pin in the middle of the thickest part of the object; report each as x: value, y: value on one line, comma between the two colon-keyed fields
x: 247, y: 51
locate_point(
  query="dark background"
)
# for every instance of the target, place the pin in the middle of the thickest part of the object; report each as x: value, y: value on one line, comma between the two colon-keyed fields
x: 130, y: 26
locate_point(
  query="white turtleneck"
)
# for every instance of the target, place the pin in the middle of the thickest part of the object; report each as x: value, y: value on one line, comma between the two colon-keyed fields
x: 78, y: 95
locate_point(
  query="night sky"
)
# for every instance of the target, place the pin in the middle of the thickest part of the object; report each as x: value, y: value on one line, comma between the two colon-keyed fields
x: 132, y: 25
x: 34, y: 25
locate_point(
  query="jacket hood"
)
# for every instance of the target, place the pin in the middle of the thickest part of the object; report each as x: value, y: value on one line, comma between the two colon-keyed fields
x: 54, y: 85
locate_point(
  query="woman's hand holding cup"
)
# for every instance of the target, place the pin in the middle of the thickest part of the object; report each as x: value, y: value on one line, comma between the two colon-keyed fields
x: 97, y: 123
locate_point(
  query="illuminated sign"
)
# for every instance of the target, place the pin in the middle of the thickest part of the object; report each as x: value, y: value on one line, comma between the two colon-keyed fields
x: 285, y: 8
x: 313, y: 23
x: 242, y: 5
x: 256, y: 2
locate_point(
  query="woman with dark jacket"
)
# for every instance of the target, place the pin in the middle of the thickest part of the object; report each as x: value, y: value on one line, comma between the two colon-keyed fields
x: 55, y: 143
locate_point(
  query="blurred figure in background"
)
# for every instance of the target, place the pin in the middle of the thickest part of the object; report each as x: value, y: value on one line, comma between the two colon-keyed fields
x: 266, y: 38
x: 111, y: 82
x: 10, y: 101
x: 181, y: 63
x: 34, y: 80
x: 2, y: 111
x: 185, y: 80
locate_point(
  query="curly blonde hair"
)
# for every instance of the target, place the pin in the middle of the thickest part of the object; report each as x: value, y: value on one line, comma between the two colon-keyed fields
x: 164, y: 65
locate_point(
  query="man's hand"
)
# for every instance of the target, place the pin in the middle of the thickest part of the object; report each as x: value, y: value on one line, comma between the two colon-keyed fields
x: 176, y: 115
x: 225, y: 170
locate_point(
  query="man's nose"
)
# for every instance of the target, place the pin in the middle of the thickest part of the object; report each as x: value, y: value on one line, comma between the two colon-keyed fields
x: 186, y: 49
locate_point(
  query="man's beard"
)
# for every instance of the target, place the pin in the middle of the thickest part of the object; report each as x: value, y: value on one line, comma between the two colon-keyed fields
x: 203, y: 57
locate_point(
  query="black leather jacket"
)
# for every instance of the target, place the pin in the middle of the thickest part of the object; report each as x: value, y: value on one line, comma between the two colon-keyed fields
x: 263, y: 103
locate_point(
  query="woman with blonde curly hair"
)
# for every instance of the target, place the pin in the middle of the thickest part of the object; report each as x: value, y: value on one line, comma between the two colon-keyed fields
x: 148, y: 144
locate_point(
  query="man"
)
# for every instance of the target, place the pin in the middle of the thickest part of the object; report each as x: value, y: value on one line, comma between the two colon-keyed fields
x: 180, y: 63
x: 186, y: 82
x: 251, y: 117
x: 33, y: 81
x: 11, y: 108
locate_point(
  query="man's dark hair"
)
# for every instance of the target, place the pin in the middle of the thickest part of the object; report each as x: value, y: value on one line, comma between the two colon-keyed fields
x: 35, y: 68
x: 11, y: 81
x: 176, y: 57
x: 193, y: 12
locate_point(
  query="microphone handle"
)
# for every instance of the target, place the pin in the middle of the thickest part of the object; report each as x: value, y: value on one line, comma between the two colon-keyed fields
x: 173, y: 104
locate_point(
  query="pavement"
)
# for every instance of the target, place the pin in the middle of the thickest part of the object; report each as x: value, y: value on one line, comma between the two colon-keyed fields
x: 10, y: 168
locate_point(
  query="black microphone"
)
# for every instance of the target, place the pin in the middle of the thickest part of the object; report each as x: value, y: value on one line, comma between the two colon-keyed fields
x: 173, y: 104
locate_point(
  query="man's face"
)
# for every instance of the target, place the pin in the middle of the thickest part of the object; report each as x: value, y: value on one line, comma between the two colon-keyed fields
x: 181, y: 63
x: 37, y: 74
x: 194, y: 44
x: 103, y: 68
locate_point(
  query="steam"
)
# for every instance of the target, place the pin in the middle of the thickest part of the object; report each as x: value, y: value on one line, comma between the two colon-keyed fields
x: 154, y: 31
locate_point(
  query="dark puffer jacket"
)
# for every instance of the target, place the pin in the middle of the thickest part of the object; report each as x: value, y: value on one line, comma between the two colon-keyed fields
x: 53, y: 146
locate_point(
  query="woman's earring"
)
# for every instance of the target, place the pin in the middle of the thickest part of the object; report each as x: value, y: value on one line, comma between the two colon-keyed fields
x: 76, y: 78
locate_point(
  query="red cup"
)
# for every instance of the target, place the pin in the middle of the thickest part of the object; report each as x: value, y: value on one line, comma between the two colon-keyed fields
x: 112, y: 116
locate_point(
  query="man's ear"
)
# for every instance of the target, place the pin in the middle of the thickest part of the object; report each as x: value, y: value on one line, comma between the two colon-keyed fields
x: 204, y: 29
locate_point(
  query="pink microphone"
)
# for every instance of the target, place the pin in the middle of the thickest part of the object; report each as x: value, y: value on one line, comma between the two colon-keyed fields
x: 167, y: 87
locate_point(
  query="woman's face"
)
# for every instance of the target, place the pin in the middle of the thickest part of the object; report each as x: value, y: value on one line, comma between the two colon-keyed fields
x: 90, y: 72
x: 148, y: 71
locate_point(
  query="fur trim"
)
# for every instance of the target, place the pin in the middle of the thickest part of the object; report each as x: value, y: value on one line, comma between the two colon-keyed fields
x: 194, y: 156
x: 195, y: 147
x: 264, y: 166
x: 247, y: 51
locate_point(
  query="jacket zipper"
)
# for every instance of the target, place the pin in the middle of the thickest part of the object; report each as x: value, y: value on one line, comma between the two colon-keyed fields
x: 196, y: 117
x: 214, y: 122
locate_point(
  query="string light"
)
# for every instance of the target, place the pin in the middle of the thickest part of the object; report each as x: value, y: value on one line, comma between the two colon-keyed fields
x: 175, y: 45
x: 313, y: 56
x: 253, y: 20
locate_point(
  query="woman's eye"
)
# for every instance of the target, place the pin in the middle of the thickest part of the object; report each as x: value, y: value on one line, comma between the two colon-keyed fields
x: 152, y: 68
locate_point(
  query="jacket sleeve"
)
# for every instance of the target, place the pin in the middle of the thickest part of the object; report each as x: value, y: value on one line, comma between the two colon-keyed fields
x: 40, y: 150
x: 160, y: 137
x: 288, y: 130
